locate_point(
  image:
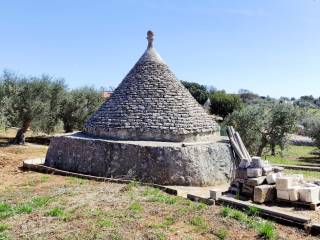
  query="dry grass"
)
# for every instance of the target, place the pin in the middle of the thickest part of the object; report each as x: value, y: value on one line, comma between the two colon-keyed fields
x: 40, y: 206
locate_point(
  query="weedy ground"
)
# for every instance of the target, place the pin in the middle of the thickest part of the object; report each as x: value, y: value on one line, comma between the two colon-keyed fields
x: 42, y: 206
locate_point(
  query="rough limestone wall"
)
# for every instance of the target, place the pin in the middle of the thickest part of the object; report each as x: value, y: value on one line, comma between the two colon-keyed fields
x: 201, y: 164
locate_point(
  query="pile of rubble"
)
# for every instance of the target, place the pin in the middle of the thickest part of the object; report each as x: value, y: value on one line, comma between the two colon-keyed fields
x: 258, y: 180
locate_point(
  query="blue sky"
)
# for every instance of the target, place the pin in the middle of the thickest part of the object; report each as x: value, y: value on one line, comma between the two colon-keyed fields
x: 271, y: 47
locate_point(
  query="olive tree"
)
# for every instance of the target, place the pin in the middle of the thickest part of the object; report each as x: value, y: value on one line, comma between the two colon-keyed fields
x: 78, y: 105
x: 264, y: 126
x: 35, y: 104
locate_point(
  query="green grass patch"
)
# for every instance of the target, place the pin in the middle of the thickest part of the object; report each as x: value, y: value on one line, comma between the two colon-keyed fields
x: 24, y: 208
x: 264, y: 228
x: 226, y: 211
x: 166, y: 223
x: 156, y: 195
x: 135, y: 207
x: 6, y: 210
x: 306, y: 174
x: 77, y: 181
x: 253, y: 211
x: 222, y: 233
x: 3, y: 227
x: 39, y: 202
x: 56, y: 212
x: 44, y: 178
x: 105, y: 223
x: 199, y: 222
x: 4, y: 236
x: 293, y: 155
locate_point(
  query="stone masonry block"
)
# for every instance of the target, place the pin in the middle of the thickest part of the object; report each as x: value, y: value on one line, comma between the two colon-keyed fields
x: 257, y: 162
x: 254, y: 172
x: 215, y: 194
x: 256, y: 181
x: 286, y: 182
x: 309, y: 194
x: 264, y: 193
x: 271, y: 178
x: 291, y: 194
x: 241, y: 173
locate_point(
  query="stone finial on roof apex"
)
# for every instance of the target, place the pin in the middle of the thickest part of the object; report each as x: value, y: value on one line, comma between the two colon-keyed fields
x: 150, y: 38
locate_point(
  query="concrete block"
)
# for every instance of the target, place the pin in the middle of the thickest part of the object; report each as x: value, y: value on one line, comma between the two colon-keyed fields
x: 257, y: 162
x: 271, y: 177
x: 264, y: 193
x: 309, y: 194
x: 254, y: 172
x: 215, y: 194
x: 256, y: 181
x: 287, y: 182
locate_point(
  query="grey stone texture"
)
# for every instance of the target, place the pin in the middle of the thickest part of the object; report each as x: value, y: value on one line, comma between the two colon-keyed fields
x: 151, y: 104
x: 198, y: 164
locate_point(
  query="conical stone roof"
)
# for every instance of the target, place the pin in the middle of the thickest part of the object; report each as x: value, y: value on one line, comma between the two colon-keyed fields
x: 151, y: 104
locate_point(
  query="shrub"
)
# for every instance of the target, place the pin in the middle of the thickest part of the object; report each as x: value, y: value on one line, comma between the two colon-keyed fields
x: 312, y: 129
x: 223, y: 104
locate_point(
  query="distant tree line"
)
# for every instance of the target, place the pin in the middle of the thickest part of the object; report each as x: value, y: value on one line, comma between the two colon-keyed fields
x: 43, y: 104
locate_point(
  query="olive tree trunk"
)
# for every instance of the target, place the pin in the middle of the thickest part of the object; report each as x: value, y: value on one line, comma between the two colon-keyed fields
x: 20, y: 136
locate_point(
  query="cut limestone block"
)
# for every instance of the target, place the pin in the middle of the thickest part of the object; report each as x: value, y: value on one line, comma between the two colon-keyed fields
x: 266, y: 170
x: 254, y: 172
x: 309, y: 194
x: 277, y: 169
x: 264, y: 193
x: 291, y: 194
x: 257, y: 162
x: 287, y: 182
x: 244, y: 163
x: 271, y: 178
x: 256, y: 181
x: 215, y: 194
x: 299, y: 178
x: 241, y: 173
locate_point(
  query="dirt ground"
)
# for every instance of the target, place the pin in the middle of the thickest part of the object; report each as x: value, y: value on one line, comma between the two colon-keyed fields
x: 42, y: 206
